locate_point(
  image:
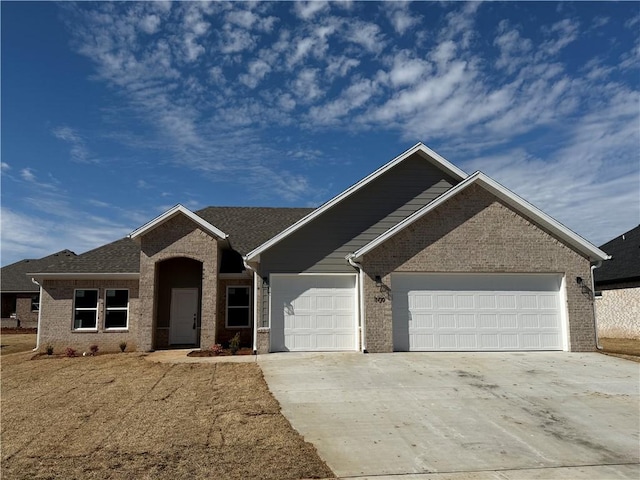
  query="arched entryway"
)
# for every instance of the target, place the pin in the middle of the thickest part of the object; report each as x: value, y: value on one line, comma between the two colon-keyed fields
x: 178, y: 303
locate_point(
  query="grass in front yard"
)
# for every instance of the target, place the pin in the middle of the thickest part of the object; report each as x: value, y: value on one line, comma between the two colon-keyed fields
x: 628, y: 348
x: 120, y: 416
x: 16, y: 342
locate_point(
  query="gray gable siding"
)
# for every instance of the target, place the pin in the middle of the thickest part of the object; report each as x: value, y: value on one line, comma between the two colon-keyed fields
x: 322, y: 244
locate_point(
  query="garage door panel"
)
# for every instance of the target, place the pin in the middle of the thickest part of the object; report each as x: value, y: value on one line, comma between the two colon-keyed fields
x: 427, y: 318
x: 310, y: 312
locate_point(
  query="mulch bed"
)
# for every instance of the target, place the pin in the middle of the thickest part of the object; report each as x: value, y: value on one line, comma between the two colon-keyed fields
x: 21, y: 331
x: 225, y: 353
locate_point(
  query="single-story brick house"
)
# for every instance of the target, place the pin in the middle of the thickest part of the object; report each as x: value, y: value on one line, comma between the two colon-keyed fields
x: 618, y: 287
x: 21, y: 296
x: 416, y: 256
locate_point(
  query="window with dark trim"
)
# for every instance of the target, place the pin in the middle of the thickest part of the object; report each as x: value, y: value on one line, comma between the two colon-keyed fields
x: 85, y: 309
x: 35, y: 303
x: 238, y: 307
x: 116, y: 309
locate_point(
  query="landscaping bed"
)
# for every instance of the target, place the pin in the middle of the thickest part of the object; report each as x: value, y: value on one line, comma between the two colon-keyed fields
x: 121, y: 416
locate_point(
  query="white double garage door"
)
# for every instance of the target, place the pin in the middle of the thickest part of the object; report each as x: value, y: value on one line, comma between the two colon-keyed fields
x: 431, y: 312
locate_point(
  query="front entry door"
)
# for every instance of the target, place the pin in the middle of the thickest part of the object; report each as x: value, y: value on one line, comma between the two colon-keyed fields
x: 184, y: 316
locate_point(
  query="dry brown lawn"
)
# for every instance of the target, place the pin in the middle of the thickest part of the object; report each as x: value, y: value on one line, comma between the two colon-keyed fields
x: 622, y: 347
x: 121, y: 416
x: 13, y: 342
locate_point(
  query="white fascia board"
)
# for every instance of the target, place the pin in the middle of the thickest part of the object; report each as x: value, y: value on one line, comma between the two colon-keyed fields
x: 85, y: 276
x: 506, y: 195
x: 419, y: 147
x: 172, y: 212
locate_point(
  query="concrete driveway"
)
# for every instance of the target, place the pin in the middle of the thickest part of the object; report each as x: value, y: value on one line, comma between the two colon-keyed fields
x: 480, y: 415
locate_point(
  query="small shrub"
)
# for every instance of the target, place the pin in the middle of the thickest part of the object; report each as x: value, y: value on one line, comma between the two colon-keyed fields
x: 94, y: 349
x: 234, y: 343
x: 49, y: 349
x: 123, y: 346
x: 70, y: 352
x: 216, y: 349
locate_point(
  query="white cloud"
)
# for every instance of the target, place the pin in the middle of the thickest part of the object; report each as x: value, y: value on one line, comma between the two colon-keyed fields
x: 514, y: 50
x: 257, y: 70
x: 367, y: 35
x: 407, y: 70
x: 400, y: 16
x: 340, y: 66
x: 5, y: 167
x: 308, y: 10
x: 150, y: 23
x: 306, y: 86
x: 565, y: 32
x: 34, y: 235
x: 27, y: 175
x: 236, y: 40
x: 354, y: 97
x: 79, y: 152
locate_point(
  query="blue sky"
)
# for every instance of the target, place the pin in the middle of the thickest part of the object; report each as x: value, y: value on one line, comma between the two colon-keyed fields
x: 114, y: 112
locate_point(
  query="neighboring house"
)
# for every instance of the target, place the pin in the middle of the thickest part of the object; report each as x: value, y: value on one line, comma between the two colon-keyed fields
x: 416, y: 256
x: 21, y: 296
x: 617, y: 284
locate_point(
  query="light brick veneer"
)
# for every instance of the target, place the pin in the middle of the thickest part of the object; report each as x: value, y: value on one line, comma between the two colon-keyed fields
x: 57, y: 327
x: 618, y: 311
x: 474, y: 232
x: 28, y: 318
x: 177, y: 237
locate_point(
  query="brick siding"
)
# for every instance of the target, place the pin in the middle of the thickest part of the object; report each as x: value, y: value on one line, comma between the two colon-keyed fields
x: 177, y: 237
x: 474, y: 232
x: 618, y: 310
x: 56, y: 328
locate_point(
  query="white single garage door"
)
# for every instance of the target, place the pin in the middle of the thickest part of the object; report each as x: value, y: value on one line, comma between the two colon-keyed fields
x: 476, y: 312
x: 313, y: 312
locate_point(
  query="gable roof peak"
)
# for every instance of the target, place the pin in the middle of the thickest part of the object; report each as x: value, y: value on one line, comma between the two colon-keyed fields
x: 172, y: 212
x: 419, y: 148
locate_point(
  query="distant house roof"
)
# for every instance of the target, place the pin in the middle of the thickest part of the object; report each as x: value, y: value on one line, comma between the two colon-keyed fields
x: 14, y: 278
x: 625, y: 262
x: 246, y: 227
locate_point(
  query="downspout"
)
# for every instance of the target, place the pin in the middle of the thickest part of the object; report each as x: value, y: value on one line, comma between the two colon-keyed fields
x: 39, y: 316
x: 255, y: 305
x: 593, y: 290
x: 358, y: 267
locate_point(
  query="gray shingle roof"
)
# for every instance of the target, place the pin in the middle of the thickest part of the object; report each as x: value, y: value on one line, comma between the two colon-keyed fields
x: 14, y: 278
x: 625, y: 262
x: 247, y: 228
x: 121, y: 256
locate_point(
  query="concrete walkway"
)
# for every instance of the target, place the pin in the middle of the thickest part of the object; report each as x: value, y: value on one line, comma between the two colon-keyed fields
x: 464, y: 416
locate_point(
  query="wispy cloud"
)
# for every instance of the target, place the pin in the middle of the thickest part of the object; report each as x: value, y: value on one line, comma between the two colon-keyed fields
x: 79, y: 152
x: 230, y: 72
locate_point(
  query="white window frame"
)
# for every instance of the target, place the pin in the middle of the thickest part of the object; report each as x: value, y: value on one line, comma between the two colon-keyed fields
x: 116, y: 309
x: 248, y: 307
x: 96, y: 309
